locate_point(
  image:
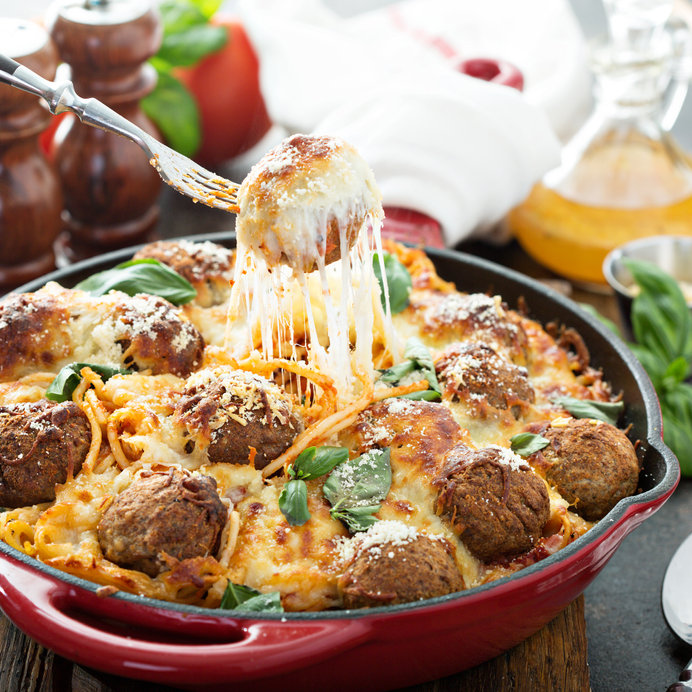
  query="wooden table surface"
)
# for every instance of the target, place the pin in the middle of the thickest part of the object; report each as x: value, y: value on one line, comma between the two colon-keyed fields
x: 553, y: 659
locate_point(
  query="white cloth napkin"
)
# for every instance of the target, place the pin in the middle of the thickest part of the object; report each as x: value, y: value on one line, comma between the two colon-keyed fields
x: 459, y: 149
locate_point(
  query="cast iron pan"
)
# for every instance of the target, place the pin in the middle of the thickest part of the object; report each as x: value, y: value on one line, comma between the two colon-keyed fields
x: 375, y: 649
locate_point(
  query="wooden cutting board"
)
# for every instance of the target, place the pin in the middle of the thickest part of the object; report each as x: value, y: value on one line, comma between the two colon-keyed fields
x: 552, y: 659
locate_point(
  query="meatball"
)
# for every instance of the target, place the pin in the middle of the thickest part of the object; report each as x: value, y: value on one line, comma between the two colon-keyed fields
x: 207, y: 266
x: 471, y: 317
x: 301, y: 196
x: 592, y: 464
x: 408, y: 567
x: 232, y: 412
x: 153, y: 335
x: 34, y: 333
x: 474, y: 372
x: 41, y: 444
x: 164, y: 513
x: 494, y: 501
x: 418, y: 433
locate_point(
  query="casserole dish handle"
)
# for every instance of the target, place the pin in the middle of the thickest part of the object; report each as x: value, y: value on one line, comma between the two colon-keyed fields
x: 43, y: 608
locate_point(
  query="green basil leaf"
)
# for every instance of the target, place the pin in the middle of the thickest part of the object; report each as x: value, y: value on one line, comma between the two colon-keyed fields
x: 141, y: 276
x: 264, y: 603
x: 398, y: 280
x: 601, y: 318
x: 397, y: 372
x: 207, y: 7
x: 419, y: 359
x: 607, y: 411
x: 360, y: 482
x: 661, y: 319
x: 314, y: 462
x: 525, y: 444
x: 188, y: 47
x: 676, y: 372
x: 247, y: 599
x: 676, y: 407
x: 421, y: 356
x: 356, y: 518
x: 174, y: 111
x: 425, y: 395
x: 293, y: 502
x: 69, y: 377
x: 179, y: 15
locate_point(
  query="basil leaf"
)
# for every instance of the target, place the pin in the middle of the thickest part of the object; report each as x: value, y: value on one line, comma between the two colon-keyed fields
x: 676, y: 372
x: 314, y: 462
x: 141, y: 276
x: 525, y: 444
x: 397, y: 372
x: 356, y: 518
x: 69, y: 377
x: 607, y: 411
x: 293, y: 502
x: 661, y: 319
x: 425, y: 395
x: 398, y: 279
x: 356, y: 487
x: 676, y: 407
x: 207, y: 7
x: 185, y: 48
x: 174, y: 111
x: 179, y: 15
x: 419, y: 358
x: 247, y: 599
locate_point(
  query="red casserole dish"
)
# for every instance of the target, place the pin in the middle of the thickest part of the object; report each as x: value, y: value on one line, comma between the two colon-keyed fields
x: 376, y: 649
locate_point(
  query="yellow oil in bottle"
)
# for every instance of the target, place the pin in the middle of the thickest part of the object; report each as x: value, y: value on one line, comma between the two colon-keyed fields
x: 625, y: 186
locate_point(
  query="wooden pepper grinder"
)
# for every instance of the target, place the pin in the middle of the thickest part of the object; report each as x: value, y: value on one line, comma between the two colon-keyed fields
x: 30, y: 196
x: 109, y: 187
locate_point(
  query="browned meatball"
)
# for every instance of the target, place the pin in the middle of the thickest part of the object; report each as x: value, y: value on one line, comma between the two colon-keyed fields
x: 592, y: 464
x: 167, y: 513
x: 494, y: 501
x: 153, y: 335
x: 400, y: 571
x: 41, y: 444
x: 207, y: 266
x: 233, y: 411
x: 475, y: 372
x: 34, y: 333
x: 472, y: 317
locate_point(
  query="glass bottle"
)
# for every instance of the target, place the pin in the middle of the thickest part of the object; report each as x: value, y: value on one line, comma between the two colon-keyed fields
x: 622, y: 175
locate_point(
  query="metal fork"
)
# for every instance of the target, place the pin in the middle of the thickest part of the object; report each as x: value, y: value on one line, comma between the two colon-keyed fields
x: 175, y: 169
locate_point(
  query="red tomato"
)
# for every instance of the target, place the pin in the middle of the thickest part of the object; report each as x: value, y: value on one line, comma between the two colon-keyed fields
x: 226, y: 87
x: 48, y: 136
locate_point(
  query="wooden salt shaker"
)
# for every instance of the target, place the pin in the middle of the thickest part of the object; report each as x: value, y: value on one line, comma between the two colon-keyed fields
x: 30, y: 197
x: 109, y: 187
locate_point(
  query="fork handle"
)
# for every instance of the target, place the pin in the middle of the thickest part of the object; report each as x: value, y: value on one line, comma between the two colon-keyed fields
x: 61, y: 97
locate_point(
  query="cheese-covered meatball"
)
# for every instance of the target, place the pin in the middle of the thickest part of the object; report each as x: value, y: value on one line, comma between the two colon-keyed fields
x: 41, y: 444
x: 592, y: 464
x: 55, y: 326
x: 299, y: 199
x: 233, y: 412
x: 164, y: 513
x: 392, y: 564
x: 34, y: 333
x: 207, y: 266
x: 471, y: 317
x: 494, y: 501
x: 153, y: 335
x: 474, y: 372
